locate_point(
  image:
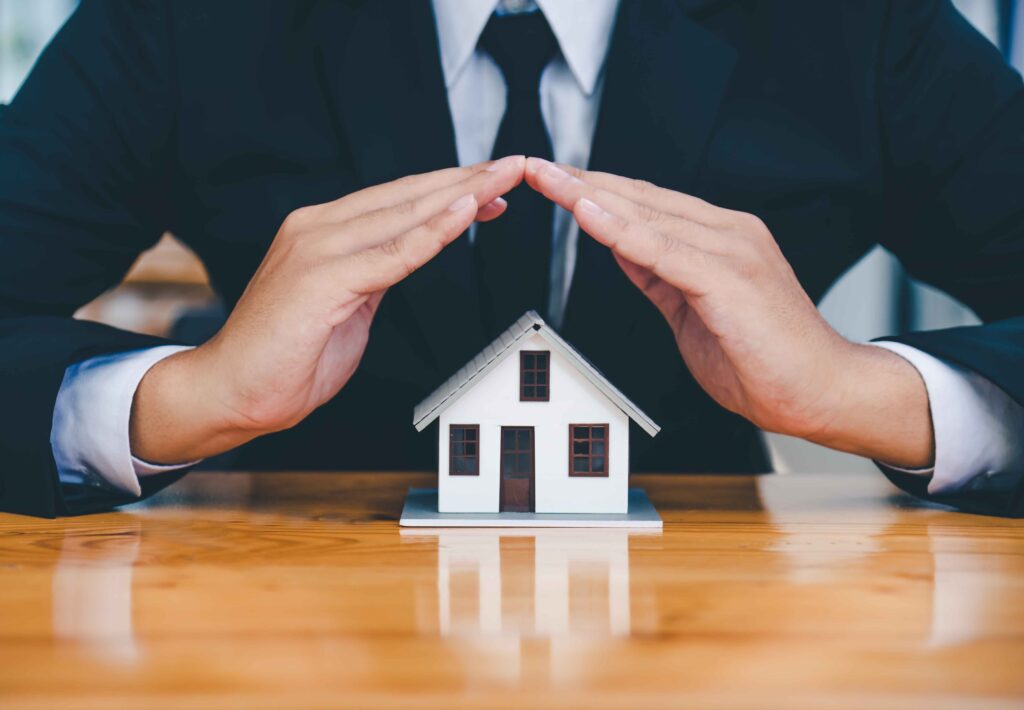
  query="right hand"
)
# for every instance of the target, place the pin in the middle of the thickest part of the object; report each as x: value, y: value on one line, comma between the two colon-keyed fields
x: 299, y: 330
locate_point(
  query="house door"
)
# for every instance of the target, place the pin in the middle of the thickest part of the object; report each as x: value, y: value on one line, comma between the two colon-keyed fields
x: 516, y: 469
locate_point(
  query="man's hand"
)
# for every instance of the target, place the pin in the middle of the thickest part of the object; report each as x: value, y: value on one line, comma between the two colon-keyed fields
x: 745, y: 327
x: 299, y: 330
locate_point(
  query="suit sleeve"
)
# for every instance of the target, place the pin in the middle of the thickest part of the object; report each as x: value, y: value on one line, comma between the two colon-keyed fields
x: 84, y: 163
x: 952, y: 119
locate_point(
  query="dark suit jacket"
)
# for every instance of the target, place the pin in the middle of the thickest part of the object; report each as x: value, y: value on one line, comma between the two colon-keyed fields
x: 841, y: 124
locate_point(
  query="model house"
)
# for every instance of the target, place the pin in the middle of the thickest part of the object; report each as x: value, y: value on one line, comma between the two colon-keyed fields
x: 529, y: 425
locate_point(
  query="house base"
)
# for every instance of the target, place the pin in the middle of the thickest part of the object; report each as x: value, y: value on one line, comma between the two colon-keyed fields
x: 421, y: 511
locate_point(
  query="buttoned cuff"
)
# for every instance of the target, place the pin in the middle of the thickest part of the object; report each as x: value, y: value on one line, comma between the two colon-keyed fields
x: 979, y: 429
x: 90, y: 435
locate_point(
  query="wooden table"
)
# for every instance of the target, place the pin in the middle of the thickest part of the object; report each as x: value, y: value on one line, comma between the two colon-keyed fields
x: 300, y: 590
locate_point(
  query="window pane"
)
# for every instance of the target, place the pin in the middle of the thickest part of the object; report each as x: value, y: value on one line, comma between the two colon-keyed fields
x: 597, y: 432
x: 581, y: 465
x: 542, y: 361
x: 581, y: 447
x: 524, y: 439
x: 598, y: 447
x: 523, y: 465
x: 528, y: 361
x: 470, y: 449
x: 597, y: 464
x: 580, y: 432
x: 542, y: 391
x: 457, y: 433
x: 542, y: 377
x: 529, y: 392
x: 458, y: 449
x: 529, y: 378
x: 508, y: 439
x: 469, y: 434
x: 508, y: 462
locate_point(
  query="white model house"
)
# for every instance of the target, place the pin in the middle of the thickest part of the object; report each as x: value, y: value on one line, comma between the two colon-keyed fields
x: 529, y: 425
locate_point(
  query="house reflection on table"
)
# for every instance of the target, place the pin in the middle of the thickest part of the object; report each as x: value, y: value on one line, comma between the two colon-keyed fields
x: 535, y: 605
x: 533, y: 583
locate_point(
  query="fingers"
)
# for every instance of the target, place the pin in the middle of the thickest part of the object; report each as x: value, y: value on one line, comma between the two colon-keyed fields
x: 538, y: 174
x: 406, y: 189
x: 567, y: 190
x: 683, y: 265
x: 385, y: 264
x: 492, y: 210
x: 380, y: 226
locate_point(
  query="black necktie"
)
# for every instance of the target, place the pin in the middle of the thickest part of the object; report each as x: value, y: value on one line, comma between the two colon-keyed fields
x: 514, y: 251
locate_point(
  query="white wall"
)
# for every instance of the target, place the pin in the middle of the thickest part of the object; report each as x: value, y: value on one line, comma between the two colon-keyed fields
x: 493, y: 402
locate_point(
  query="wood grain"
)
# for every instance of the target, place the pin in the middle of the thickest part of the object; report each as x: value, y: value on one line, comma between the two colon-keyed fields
x: 299, y: 590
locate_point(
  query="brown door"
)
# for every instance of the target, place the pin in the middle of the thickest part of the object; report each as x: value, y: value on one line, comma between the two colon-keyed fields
x: 516, y: 469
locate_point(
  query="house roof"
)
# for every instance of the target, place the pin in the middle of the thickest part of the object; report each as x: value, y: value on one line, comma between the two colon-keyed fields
x: 530, y: 322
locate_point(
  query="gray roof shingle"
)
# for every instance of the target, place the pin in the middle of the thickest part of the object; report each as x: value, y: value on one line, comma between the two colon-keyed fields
x: 455, y: 386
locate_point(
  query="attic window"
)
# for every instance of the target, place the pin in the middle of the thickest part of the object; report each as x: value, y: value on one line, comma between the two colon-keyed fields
x: 534, y: 375
x: 464, y: 450
x: 588, y: 450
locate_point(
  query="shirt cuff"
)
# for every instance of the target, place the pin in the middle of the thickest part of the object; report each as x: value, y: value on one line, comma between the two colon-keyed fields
x: 979, y: 429
x: 90, y: 435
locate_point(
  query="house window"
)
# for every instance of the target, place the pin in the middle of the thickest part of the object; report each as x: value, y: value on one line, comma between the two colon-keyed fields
x: 464, y: 450
x: 534, y: 375
x: 588, y: 449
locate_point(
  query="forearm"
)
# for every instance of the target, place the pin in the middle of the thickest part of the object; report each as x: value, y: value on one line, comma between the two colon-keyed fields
x: 880, y: 410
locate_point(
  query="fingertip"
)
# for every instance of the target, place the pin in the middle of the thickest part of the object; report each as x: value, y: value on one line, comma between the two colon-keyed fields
x: 534, y: 165
x: 509, y: 161
x: 492, y: 210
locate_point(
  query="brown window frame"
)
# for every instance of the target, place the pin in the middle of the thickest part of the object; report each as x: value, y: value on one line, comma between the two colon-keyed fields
x: 451, y: 449
x: 535, y: 370
x: 603, y: 473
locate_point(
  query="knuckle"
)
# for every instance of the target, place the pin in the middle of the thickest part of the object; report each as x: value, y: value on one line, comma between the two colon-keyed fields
x: 753, y: 225
x: 405, y: 208
x: 666, y: 243
x: 298, y: 220
x: 642, y: 187
x: 439, y: 233
x: 646, y: 213
x: 392, y: 251
x: 747, y: 265
x: 578, y: 173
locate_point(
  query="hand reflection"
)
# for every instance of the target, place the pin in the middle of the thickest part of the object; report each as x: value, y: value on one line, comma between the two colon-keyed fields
x: 92, y: 592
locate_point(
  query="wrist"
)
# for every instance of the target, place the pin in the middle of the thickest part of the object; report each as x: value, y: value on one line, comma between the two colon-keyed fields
x: 178, y: 413
x: 878, y: 408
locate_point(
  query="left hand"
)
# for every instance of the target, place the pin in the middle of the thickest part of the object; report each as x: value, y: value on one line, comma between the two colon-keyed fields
x: 745, y: 327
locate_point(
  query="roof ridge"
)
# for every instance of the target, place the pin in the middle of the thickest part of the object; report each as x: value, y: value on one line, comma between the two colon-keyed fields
x: 451, y: 389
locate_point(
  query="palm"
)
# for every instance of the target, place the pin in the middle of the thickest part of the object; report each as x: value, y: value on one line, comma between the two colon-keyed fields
x: 342, y: 352
x: 701, y: 349
x: 709, y: 364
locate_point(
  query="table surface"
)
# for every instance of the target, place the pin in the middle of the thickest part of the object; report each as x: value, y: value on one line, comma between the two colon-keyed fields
x: 300, y: 590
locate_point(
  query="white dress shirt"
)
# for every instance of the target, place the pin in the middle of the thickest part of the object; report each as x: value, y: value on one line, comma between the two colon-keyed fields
x: 977, y: 426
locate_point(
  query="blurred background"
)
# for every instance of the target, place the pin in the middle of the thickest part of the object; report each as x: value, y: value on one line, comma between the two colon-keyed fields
x: 168, y: 282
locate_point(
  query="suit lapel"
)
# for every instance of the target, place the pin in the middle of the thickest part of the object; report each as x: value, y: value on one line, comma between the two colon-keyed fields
x: 387, y: 92
x: 665, y: 78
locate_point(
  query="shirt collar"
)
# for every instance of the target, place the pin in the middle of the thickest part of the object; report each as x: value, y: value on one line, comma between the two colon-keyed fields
x: 583, y: 29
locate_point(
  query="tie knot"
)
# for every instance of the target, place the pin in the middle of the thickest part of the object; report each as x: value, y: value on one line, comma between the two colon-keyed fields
x: 521, y: 45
